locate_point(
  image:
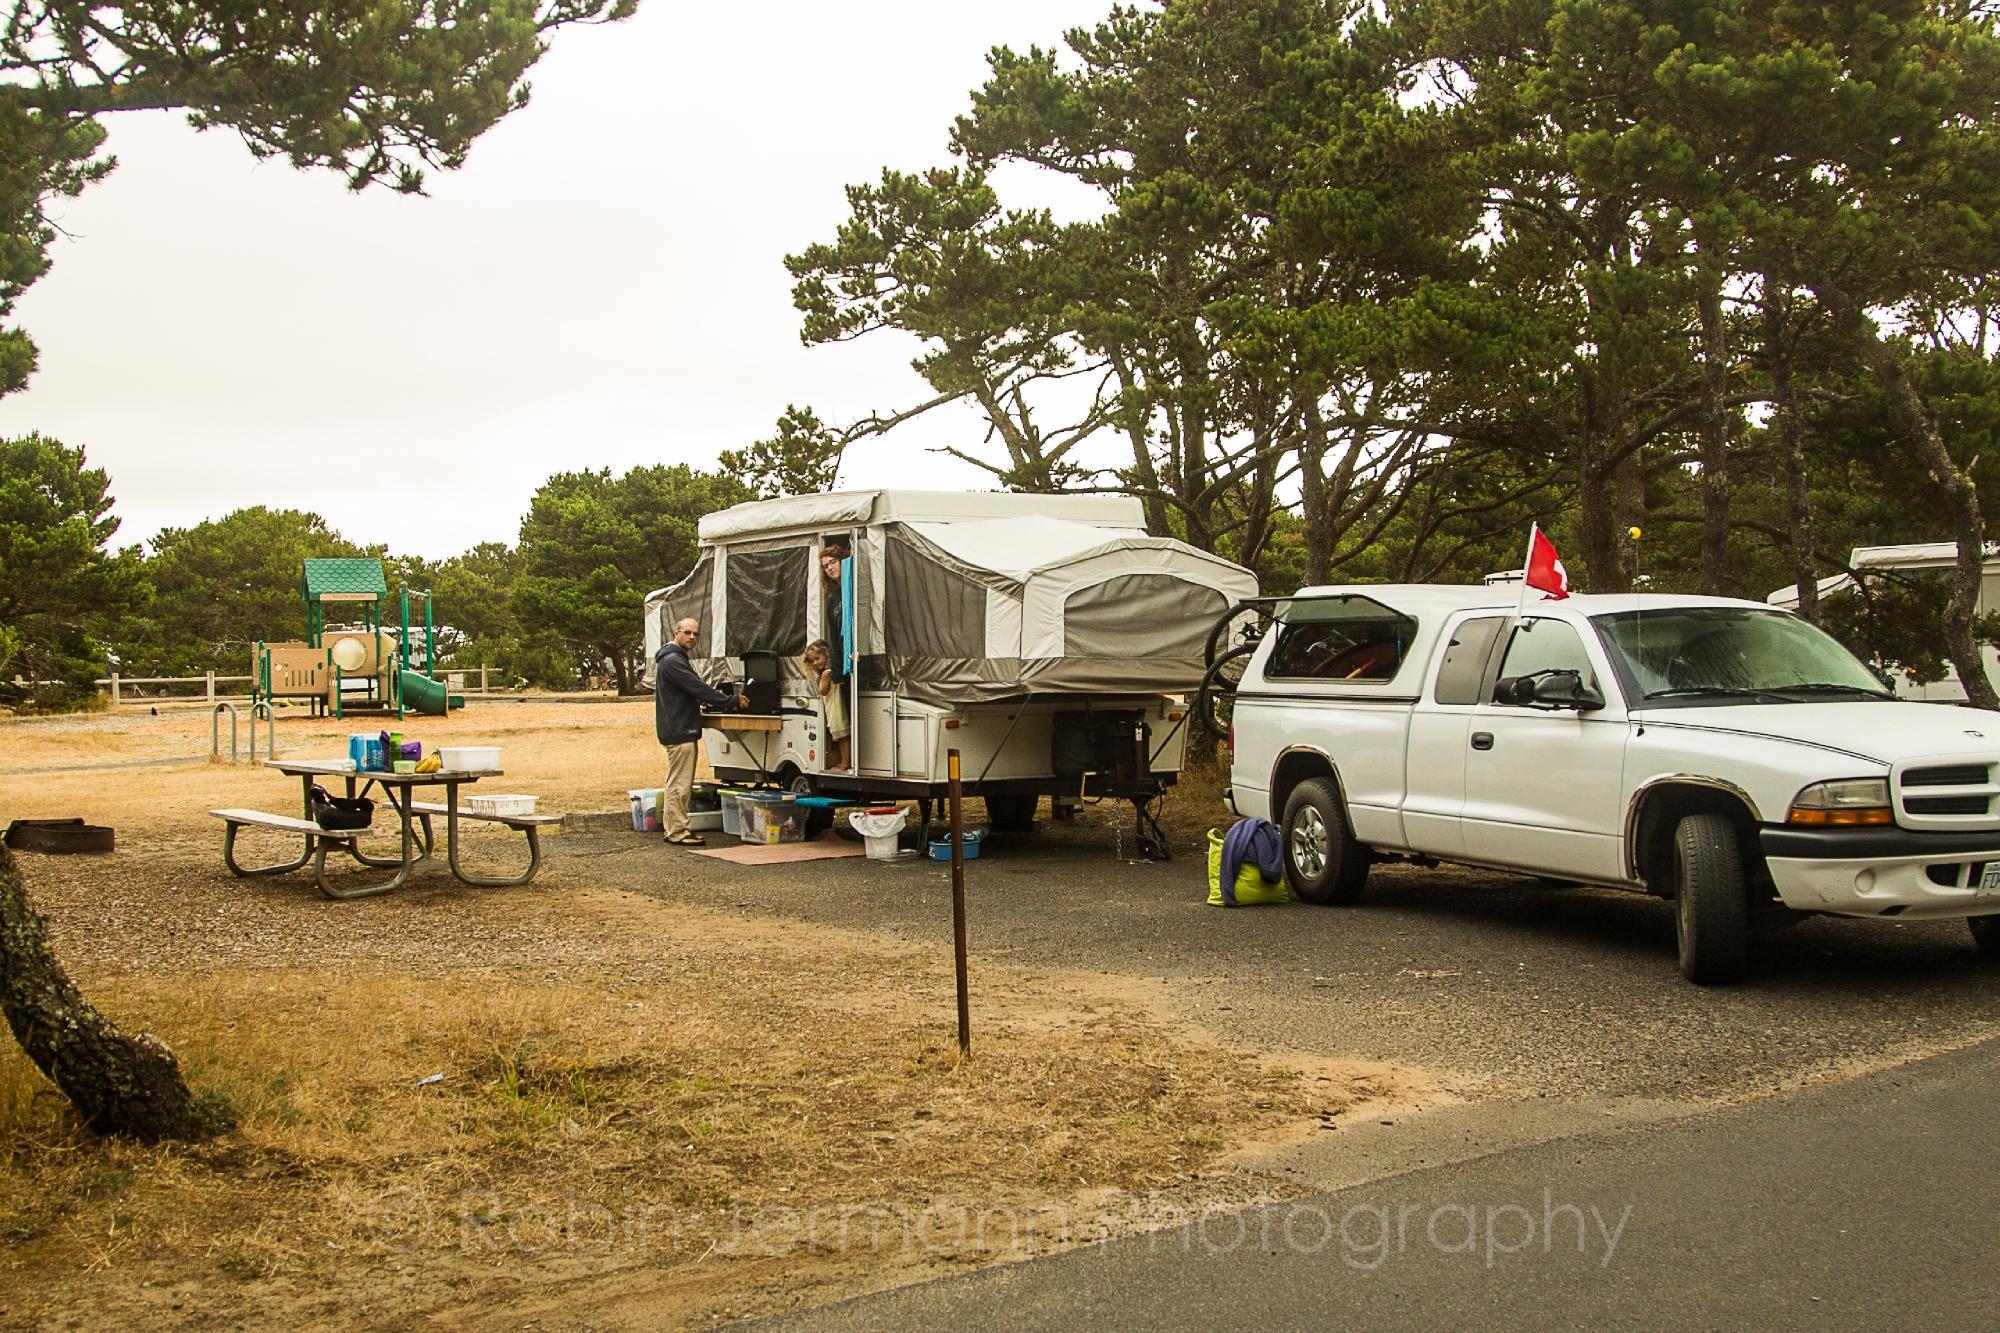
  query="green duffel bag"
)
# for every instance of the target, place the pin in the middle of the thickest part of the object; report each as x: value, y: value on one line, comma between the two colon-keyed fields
x: 1250, y: 889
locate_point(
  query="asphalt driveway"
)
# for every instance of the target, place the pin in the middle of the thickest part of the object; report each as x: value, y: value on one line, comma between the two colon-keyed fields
x: 1545, y: 993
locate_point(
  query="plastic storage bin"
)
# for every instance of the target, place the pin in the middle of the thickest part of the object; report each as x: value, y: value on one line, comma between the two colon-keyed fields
x: 732, y: 811
x: 646, y: 808
x: 469, y: 758
x: 771, y: 817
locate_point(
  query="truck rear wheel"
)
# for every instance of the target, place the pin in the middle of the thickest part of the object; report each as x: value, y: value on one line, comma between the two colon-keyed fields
x: 1711, y: 900
x: 1323, y: 862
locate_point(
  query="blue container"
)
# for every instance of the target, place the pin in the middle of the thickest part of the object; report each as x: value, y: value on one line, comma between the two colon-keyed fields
x: 357, y: 750
x: 941, y: 847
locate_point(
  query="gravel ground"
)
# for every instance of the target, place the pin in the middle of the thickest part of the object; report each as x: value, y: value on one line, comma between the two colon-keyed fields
x: 1532, y: 991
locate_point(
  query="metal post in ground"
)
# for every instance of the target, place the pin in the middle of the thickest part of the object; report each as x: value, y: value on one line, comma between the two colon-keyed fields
x: 958, y: 906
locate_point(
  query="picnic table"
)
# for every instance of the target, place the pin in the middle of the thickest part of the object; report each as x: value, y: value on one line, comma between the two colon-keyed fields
x: 400, y: 790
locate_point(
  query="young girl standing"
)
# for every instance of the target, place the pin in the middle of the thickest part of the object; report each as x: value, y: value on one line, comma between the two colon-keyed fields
x: 819, y: 668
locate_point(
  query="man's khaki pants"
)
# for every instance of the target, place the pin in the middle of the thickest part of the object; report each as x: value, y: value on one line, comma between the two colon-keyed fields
x: 680, y: 786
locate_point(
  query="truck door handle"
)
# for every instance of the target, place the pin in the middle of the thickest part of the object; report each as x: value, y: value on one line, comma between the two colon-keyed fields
x: 1482, y: 740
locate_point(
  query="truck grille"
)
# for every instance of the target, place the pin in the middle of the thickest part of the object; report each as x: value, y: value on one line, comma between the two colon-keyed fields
x: 1947, y: 775
x: 1944, y: 794
x: 1947, y: 805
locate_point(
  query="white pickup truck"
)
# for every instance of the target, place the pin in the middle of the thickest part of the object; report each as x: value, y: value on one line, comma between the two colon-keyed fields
x: 1718, y: 753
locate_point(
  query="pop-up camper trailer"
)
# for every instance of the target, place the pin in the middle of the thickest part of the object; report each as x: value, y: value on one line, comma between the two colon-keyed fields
x: 1044, y: 637
x: 1914, y: 560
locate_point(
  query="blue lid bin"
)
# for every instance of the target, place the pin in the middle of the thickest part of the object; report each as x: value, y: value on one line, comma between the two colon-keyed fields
x: 941, y: 847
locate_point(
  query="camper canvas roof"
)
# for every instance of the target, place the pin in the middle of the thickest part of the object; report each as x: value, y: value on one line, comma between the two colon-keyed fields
x: 962, y: 597
x: 836, y: 509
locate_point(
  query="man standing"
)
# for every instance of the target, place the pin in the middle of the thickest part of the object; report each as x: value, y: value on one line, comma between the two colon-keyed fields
x: 678, y: 694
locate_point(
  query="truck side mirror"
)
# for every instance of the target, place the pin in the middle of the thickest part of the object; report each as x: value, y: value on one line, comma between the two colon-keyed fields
x: 1548, y: 689
x: 1565, y: 689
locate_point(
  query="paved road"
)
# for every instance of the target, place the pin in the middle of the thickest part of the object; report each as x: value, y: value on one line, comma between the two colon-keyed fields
x: 1866, y: 1204
x: 1559, y: 994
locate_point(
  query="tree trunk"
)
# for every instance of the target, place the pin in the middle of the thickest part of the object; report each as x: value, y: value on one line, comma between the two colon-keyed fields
x: 1313, y: 500
x: 1960, y: 496
x: 1597, y: 530
x: 118, y: 1084
x: 1798, y: 500
x: 1714, y: 446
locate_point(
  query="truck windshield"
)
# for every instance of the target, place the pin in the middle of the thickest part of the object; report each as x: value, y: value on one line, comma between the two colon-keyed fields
x: 1701, y: 654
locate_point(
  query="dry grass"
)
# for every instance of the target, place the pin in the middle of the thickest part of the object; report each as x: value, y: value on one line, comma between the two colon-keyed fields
x: 606, y: 1130
x: 649, y: 1115
x: 148, y: 774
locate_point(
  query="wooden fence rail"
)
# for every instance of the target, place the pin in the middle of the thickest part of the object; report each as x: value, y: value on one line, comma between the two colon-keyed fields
x: 460, y: 682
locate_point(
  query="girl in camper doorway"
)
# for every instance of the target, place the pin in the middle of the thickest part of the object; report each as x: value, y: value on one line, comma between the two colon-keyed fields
x: 835, y: 692
x: 819, y: 667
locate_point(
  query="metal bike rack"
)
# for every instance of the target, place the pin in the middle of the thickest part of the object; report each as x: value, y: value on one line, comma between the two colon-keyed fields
x: 215, y: 732
x: 262, y: 708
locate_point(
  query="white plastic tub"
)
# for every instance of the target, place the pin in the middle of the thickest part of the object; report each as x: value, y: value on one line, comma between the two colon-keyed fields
x: 878, y: 831
x: 501, y: 804
x: 470, y: 758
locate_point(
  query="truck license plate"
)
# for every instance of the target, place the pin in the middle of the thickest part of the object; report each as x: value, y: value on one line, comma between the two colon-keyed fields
x: 1989, y: 882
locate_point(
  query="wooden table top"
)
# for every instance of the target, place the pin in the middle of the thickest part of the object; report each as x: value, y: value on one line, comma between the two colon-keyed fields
x: 338, y: 768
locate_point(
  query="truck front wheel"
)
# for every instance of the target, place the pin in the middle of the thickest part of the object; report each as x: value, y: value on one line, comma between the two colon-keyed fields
x: 1986, y: 934
x: 1711, y: 900
x: 1323, y: 862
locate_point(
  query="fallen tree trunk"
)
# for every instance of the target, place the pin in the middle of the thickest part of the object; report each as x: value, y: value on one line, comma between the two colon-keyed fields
x: 118, y: 1084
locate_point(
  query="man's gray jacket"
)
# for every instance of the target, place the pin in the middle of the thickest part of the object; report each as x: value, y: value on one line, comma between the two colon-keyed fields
x: 678, y: 694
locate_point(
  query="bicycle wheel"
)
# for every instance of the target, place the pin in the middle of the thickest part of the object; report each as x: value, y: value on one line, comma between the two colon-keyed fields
x: 1215, y: 701
x: 1240, y: 626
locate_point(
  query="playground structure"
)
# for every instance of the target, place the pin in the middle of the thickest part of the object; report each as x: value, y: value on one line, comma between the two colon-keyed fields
x: 357, y: 669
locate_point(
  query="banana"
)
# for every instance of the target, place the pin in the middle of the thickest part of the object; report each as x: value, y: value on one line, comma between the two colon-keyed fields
x: 430, y: 763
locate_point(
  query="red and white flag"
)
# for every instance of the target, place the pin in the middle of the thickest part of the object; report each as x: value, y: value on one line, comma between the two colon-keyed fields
x: 1545, y: 569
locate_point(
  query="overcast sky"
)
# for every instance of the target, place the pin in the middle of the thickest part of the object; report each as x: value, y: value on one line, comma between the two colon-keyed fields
x: 601, y: 286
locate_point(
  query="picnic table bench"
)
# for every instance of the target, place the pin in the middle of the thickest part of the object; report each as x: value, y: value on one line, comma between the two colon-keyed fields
x: 317, y: 842
x: 528, y: 824
x: 418, y: 844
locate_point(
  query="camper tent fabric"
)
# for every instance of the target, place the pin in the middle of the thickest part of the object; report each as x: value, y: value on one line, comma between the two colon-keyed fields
x: 963, y: 598
x: 764, y: 611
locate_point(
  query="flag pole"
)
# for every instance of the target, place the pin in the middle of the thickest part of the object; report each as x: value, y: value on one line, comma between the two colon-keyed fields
x: 1521, y: 604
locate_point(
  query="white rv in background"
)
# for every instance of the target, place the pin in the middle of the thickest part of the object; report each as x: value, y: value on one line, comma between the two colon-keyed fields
x: 1911, y: 558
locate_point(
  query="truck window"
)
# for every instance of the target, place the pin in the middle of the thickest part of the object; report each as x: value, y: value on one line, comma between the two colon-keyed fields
x: 1347, y: 649
x: 1464, y: 659
x: 1545, y: 645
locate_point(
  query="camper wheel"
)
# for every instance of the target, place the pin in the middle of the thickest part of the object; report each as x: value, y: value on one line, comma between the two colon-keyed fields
x: 1012, y: 813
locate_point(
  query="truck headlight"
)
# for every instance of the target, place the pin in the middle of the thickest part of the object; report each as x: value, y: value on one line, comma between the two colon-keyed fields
x: 1843, y: 801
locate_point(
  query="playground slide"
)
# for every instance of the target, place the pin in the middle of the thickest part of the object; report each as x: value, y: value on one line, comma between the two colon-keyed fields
x: 421, y: 694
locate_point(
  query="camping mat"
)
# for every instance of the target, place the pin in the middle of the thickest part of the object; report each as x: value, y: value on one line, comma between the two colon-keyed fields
x: 825, y: 847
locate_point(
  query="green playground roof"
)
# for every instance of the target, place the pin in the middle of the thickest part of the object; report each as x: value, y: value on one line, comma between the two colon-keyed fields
x: 343, y: 574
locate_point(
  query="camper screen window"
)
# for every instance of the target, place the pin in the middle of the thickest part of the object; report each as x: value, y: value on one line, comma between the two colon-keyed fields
x: 931, y: 611
x: 689, y: 599
x: 765, y: 605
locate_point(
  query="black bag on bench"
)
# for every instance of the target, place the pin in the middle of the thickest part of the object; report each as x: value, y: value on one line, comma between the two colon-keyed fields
x: 341, y: 813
